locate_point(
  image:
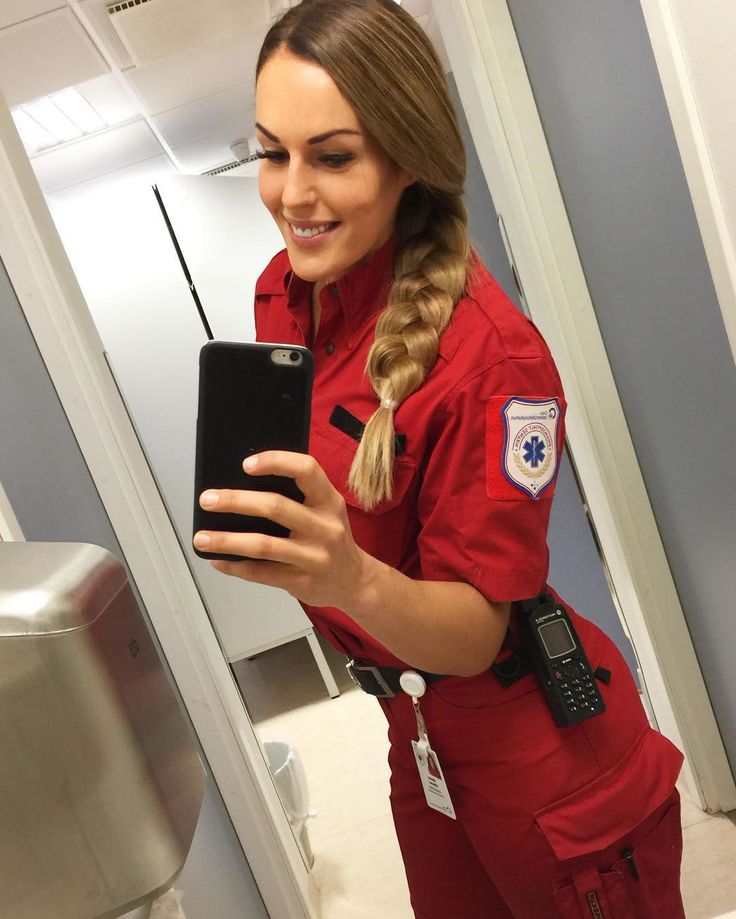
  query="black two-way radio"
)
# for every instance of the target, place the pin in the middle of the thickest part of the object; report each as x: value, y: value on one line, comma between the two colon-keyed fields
x: 559, y: 661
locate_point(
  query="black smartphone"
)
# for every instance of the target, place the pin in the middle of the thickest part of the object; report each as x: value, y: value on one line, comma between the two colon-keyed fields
x: 252, y: 397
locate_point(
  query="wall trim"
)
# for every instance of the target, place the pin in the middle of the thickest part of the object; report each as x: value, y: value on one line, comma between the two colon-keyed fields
x: 693, y: 146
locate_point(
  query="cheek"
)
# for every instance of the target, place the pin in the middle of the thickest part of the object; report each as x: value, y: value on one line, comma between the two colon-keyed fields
x: 366, y: 194
x: 268, y: 188
x: 376, y: 200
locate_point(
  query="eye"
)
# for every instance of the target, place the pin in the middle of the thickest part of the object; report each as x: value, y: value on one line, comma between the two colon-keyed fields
x: 335, y: 160
x: 275, y: 156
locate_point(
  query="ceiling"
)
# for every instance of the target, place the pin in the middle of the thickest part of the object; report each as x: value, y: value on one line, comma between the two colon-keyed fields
x: 172, y: 79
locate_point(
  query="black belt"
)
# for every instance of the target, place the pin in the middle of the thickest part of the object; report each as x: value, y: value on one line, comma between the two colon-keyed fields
x: 383, y: 682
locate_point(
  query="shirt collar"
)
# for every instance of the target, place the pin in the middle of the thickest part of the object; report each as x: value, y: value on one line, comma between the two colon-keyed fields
x: 362, y: 291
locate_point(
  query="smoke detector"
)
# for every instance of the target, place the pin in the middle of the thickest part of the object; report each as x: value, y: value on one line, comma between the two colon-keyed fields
x: 240, y: 149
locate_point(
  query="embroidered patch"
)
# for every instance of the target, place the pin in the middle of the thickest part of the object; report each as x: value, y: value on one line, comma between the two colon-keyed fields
x: 530, y: 453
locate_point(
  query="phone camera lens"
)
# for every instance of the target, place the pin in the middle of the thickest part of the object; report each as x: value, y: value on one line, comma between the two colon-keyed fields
x: 294, y: 356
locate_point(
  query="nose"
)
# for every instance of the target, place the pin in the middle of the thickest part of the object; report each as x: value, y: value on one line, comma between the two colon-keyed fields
x: 298, y: 190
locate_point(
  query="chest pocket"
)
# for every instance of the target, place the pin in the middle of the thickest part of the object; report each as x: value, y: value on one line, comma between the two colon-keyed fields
x: 335, y: 450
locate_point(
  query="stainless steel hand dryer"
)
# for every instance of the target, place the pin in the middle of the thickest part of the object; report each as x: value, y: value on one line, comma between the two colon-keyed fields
x: 100, y: 778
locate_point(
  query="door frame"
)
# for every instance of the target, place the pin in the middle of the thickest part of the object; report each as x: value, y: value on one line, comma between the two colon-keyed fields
x: 693, y: 146
x: 492, y: 80
x: 10, y: 529
x: 73, y: 353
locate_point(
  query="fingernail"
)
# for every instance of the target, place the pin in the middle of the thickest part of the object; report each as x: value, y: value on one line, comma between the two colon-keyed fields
x: 250, y: 463
x: 209, y: 498
x: 202, y: 540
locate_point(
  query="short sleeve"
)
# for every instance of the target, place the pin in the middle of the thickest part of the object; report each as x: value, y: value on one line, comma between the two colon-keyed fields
x: 489, y: 478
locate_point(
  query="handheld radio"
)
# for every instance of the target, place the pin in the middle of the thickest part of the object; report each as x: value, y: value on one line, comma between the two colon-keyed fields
x: 559, y: 661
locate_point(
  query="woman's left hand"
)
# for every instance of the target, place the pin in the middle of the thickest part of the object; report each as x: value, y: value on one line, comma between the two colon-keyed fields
x: 319, y: 563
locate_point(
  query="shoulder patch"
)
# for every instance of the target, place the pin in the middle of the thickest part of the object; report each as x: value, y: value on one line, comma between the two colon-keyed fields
x: 523, y: 445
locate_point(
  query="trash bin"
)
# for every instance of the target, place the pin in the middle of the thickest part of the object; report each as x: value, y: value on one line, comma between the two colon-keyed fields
x: 291, y: 783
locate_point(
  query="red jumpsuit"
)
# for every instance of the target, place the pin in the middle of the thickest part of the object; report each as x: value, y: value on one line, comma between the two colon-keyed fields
x: 581, y: 821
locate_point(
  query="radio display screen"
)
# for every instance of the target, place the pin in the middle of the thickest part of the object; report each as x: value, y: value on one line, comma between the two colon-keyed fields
x: 557, y: 638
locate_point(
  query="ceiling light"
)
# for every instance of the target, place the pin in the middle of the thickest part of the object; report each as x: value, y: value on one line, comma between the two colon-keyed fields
x: 78, y: 110
x: 52, y: 119
x: 31, y: 133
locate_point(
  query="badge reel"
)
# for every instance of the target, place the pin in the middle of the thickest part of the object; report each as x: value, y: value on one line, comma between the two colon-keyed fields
x: 428, y: 764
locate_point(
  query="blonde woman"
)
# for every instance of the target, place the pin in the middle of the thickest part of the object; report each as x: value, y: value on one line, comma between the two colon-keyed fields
x: 437, y: 428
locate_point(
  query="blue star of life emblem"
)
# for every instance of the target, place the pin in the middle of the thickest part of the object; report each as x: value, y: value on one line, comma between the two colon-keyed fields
x: 534, y: 454
x: 531, y: 449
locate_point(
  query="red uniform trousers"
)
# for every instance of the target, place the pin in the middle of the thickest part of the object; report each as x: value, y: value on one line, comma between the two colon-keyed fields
x: 546, y: 816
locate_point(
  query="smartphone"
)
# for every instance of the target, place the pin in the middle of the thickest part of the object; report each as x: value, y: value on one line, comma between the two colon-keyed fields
x: 252, y: 397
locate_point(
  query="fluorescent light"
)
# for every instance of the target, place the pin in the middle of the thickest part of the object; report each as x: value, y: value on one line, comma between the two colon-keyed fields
x: 73, y: 104
x: 31, y: 133
x: 52, y: 119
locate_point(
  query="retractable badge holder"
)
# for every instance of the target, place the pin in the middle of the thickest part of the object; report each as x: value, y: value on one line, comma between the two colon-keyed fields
x: 428, y: 764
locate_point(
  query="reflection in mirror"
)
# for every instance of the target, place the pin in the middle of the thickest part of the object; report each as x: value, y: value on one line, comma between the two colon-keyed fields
x: 324, y: 740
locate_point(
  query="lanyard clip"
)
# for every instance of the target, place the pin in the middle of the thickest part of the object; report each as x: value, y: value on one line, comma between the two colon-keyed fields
x: 414, y: 685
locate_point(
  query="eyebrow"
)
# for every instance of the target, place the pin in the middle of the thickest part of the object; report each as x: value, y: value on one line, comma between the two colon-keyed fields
x: 318, y: 139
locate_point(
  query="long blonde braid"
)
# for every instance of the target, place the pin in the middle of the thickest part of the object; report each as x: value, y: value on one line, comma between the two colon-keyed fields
x: 429, y: 278
x: 385, y: 66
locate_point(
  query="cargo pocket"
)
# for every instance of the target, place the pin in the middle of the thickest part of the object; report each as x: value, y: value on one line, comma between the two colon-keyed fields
x: 619, y: 838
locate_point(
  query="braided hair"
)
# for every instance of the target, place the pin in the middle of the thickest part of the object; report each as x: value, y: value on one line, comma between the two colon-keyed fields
x: 385, y: 66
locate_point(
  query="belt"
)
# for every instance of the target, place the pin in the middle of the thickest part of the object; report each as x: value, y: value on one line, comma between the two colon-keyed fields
x: 383, y: 682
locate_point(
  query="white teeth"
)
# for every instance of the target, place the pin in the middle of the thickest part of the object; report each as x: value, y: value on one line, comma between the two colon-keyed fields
x: 308, y: 234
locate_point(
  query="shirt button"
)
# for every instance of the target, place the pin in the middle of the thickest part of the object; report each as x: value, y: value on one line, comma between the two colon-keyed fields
x: 330, y: 347
x: 335, y: 290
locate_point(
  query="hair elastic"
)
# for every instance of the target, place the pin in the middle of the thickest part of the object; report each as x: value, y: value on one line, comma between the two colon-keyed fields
x: 388, y: 403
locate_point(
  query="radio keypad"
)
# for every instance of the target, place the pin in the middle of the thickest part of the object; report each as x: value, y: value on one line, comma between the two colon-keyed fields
x: 578, y: 690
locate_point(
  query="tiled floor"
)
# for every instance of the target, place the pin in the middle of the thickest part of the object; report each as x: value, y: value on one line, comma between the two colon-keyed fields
x: 342, y: 743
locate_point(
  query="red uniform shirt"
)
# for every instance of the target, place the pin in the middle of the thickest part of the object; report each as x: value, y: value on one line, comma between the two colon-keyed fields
x: 478, y: 445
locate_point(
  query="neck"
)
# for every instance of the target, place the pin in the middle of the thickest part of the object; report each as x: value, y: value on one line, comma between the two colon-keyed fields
x: 316, y: 306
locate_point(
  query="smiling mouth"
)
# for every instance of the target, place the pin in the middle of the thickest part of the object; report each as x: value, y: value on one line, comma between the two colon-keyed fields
x: 311, y: 232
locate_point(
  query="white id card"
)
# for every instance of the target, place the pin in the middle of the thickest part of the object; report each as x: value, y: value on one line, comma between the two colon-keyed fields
x: 433, y: 780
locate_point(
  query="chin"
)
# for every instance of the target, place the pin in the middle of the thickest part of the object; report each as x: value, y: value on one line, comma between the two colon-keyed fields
x: 313, y: 269
x: 304, y: 270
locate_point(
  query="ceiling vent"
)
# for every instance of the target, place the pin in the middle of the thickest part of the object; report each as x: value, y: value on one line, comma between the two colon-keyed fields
x: 228, y: 166
x: 156, y: 29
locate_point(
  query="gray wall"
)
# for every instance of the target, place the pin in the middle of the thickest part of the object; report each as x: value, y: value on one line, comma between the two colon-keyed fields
x: 601, y: 102
x: 575, y: 568
x: 55, y: 499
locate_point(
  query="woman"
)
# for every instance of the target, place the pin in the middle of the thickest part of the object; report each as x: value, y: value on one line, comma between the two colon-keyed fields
x: 436, y: 435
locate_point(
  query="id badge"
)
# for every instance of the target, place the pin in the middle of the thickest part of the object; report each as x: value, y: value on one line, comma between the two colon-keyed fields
x: 433, y: 779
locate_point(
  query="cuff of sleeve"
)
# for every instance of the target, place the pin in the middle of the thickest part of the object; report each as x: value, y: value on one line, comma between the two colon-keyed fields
x: 508, y: 586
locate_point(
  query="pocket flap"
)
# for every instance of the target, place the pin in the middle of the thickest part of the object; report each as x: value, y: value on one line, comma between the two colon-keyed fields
x: 335, y: 451
x: 595, y: 816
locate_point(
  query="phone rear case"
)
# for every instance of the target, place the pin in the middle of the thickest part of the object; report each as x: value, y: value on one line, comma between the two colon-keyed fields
x: 247, y: 404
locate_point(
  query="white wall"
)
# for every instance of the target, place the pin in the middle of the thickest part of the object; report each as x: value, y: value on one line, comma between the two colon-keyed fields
x: 707, y: 34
